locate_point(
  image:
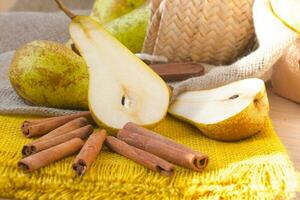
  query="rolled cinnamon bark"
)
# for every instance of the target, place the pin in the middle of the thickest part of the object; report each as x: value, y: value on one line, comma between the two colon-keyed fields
x: 50, y: 155
x: 33, y: 148
x: 43, y: 126
x: 139, y: 156
x: 178, y: 71
x: 132, y: 127
x: 89, y: 152
x: 162, y: 147
x: 70, y: 126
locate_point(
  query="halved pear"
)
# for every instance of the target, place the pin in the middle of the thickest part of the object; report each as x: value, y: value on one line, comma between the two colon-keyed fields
x: 228, y: 113
x: 122, y: 88
x: 288, y: 11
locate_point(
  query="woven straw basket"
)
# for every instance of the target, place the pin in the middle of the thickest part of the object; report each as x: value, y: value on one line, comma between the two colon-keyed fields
x: 233, y: 39
x: 210, y: 31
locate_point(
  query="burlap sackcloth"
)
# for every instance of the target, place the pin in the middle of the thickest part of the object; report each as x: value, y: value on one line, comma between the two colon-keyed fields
x: 214, y: 25
x: 217, y: 32
x: 20, y: 28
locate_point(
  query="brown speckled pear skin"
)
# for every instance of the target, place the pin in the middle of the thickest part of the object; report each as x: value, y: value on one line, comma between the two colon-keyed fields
x: 130, y: 28
x: 49, y: 74
x: 244, y: 124
x: 108, y: 10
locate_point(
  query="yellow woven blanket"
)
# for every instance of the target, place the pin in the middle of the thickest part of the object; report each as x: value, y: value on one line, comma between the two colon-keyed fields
x: 256, y: 168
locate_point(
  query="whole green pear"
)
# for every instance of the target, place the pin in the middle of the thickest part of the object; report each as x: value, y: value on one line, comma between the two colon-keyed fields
x: 107, y: 10
x: 49, y: 74
x: 130, y: 29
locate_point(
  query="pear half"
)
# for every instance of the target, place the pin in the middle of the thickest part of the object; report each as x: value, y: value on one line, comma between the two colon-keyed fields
x: 228, y: 113
x: 288, y: 11
x: 121, y: 87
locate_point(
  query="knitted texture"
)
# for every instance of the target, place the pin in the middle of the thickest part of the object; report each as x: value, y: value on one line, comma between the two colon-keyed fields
x: 255, y: 168
x: 217, y: 32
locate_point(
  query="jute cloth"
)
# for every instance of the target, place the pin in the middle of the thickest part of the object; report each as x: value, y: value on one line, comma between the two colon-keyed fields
x: 217, y: 33
x: 272, y: 35
x: 20, y: 28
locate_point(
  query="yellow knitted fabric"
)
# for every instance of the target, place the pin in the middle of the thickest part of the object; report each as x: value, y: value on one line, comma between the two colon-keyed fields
x: 256, y: 168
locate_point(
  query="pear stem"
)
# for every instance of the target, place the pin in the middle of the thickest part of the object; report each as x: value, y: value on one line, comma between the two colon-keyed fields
x: 66, y: 10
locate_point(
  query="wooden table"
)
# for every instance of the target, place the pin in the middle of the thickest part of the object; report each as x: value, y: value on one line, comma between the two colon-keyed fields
x: 286, y: 120
x: 285, y: 116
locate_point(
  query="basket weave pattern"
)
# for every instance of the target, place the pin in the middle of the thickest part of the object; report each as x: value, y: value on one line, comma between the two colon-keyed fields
x: 210, y: 31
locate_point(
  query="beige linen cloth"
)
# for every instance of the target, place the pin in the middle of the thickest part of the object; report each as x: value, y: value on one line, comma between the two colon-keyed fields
x: 20, y: 26
x: 272, y: 35
x: 203, y: 31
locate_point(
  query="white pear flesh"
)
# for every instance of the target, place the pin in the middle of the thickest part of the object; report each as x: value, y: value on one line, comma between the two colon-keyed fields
x: 288, y: 11
x: 228, y: 113
x: 122, y: 88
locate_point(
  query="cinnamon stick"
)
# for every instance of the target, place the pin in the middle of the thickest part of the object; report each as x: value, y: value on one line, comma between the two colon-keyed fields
x: 139, y: 156
x: 33, y: 148
x: 50, y: 155
x: 70, y: 126
x: 43, y: 126
x: 178, y: 71
x: 89, y: 152
x: 162, y: 147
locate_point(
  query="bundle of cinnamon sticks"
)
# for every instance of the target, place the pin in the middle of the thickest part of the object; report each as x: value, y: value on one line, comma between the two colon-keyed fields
x: 61, y: 137
x: 66, y: 135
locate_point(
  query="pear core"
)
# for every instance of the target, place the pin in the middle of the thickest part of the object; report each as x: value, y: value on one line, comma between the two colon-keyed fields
x: 122, y: 88
x: 212, y: 106
x: 228, y: 113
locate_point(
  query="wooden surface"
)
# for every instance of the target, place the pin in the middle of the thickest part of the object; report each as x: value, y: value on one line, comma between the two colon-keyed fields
x: 285, y: 116
x: 286, y: 120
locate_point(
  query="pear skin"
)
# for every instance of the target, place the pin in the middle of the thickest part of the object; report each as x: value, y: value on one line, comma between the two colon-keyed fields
x: 115, y: 96
x: 288, y: 11
x: 131, y: 29
x: 49, y: 74
x: 105, y: 11
x: 241, y: 125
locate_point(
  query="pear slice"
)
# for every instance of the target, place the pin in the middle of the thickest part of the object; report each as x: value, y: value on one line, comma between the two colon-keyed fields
x: 228, y: 113
x: 288, y: 11
x: 121, y: 88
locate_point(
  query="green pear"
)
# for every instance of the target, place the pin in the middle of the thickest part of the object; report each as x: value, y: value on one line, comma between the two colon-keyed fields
x: 130, y: 29
x: 228, y: 113
x: 49, y: 74
x: 105, y: 11
x: 122, y: 88
x: 288, y: 11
